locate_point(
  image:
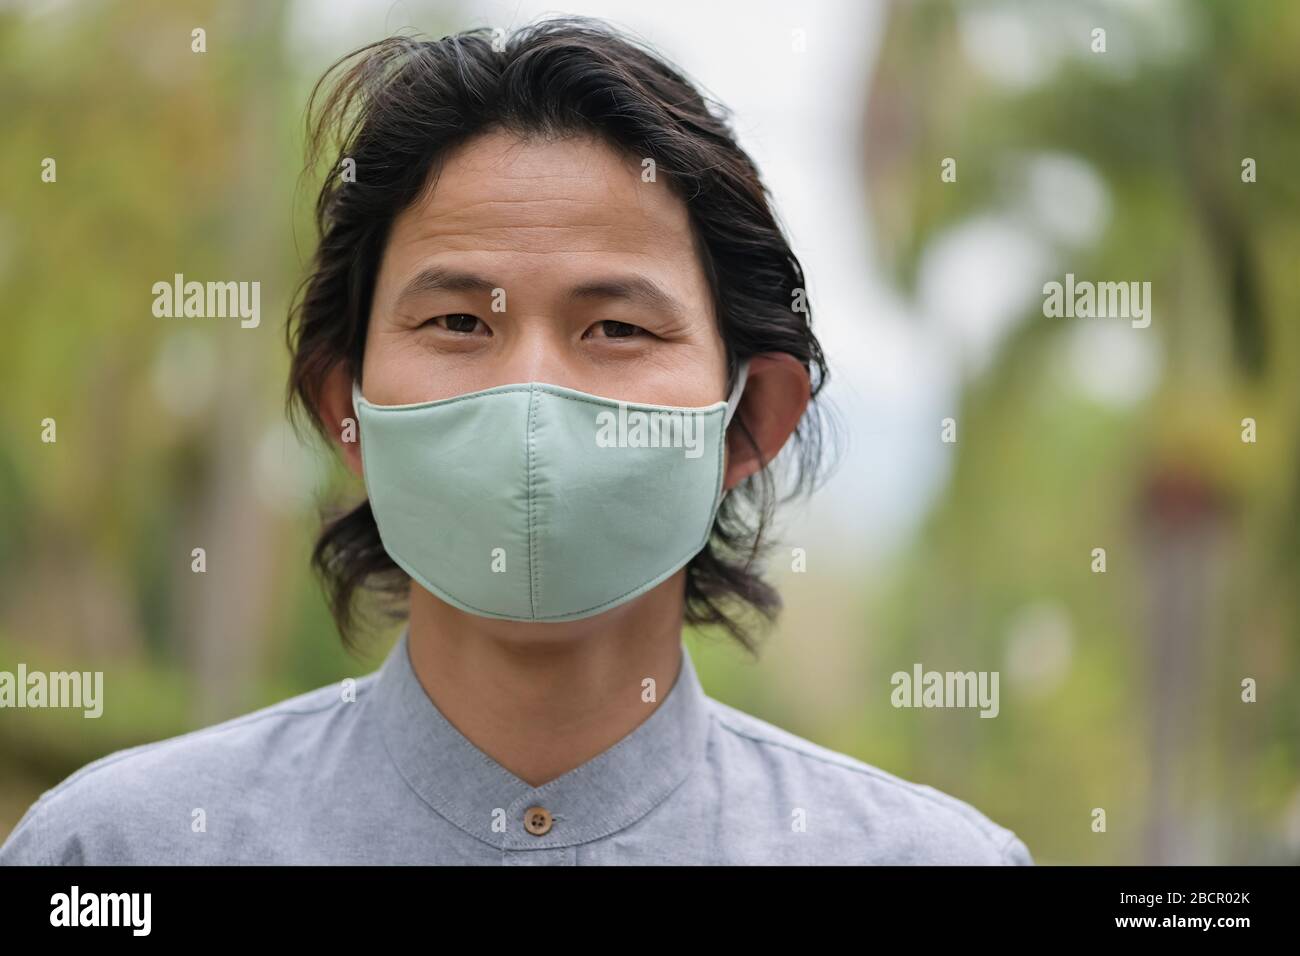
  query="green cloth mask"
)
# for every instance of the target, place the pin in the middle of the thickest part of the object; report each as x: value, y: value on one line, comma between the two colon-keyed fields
x: 534, y: 502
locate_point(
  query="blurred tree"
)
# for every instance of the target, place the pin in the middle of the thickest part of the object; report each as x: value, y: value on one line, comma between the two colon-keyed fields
x: 1201, y: 528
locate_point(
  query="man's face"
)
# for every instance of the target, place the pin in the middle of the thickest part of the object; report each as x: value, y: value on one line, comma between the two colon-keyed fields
x: 596, y: 270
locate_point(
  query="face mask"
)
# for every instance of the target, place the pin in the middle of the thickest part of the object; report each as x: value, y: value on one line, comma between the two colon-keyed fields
x: 534, y: 502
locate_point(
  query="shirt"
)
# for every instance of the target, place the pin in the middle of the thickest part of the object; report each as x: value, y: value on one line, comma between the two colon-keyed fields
x: 382, y: 777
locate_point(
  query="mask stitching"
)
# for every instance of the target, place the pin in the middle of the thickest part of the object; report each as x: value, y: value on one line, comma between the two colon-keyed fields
x: 598, y: 401
x: 532, y: 554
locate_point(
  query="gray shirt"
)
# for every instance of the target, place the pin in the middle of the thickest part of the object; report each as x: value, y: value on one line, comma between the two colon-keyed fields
x: 385, y: 778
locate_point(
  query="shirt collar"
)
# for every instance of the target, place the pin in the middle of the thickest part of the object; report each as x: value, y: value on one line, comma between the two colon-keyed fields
x: 607, y: 793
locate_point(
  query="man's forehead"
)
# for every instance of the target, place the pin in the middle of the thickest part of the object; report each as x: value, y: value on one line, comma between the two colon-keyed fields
x: 497, y: 182
x: 507, y: 160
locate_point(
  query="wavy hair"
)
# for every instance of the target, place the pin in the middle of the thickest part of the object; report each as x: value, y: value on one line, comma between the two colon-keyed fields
x: 396, y: 107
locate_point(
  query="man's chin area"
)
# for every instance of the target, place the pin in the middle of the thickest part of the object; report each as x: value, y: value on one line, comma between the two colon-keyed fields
x: 662, y: 606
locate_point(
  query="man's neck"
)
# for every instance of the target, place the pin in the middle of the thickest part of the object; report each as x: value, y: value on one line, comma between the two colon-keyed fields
x: 542, y: 699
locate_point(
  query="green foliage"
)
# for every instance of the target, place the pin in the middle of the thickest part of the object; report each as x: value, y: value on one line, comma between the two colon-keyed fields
x: 1200, y: 528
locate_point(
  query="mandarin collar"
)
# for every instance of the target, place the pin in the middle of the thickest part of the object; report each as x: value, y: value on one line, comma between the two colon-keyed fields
x: 609, y: 792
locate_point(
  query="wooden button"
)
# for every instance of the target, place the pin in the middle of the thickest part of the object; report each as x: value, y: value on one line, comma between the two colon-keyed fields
x: 537, y: 820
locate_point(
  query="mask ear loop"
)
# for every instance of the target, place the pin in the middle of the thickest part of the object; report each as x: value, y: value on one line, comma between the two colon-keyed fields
x: 733, y: 400
x: 357, y: 397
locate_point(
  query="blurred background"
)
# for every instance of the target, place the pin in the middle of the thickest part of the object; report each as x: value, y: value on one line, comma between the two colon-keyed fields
x: 1119, y: 690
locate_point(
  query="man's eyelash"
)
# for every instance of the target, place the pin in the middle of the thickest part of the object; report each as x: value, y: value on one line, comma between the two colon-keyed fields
x: 443, y: 321
x: 635, y: 329
x: 625, y: 330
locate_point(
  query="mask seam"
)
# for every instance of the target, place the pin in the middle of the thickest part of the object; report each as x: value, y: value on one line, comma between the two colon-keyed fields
x: 598, y: 401
x: 532, y: 555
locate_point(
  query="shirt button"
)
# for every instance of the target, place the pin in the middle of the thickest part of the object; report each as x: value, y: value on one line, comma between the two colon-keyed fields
x: 537, y: 820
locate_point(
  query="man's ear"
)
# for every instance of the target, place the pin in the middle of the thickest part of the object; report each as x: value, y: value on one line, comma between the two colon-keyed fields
x: 339, y: 417
x: 776, y: 393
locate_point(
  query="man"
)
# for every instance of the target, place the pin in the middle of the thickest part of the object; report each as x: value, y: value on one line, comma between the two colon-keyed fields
x: 536, y: 254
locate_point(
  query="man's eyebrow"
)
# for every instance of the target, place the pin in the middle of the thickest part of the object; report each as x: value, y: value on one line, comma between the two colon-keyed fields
x: 632, y: 288
x: 445, y: 280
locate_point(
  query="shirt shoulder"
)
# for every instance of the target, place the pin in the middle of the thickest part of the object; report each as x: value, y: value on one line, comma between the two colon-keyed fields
x: 870, y: 815
x: 139, y: 803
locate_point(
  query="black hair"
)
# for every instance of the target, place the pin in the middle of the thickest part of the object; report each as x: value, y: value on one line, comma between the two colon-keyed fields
x: 397, y: 106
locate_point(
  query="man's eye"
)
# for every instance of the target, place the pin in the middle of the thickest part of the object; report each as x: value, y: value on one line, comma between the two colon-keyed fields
x: 456, y: 322
x: 618, y: 330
